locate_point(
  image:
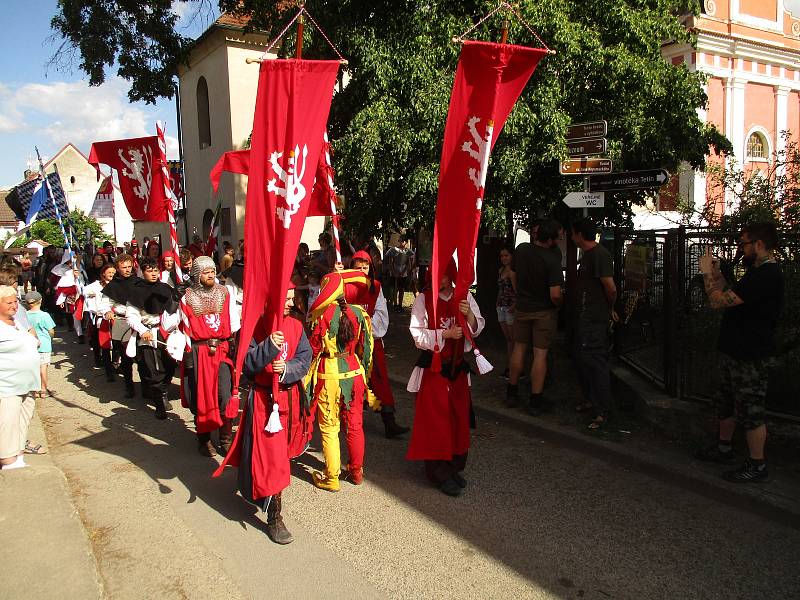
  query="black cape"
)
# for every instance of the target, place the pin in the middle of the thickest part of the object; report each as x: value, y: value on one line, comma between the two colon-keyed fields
x: 153, y: 298
x: 119, y: 288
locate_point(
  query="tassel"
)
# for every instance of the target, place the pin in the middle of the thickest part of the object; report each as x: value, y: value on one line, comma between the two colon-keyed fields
x: 484, y: 366
x: 232, y: 410
x: 274, y: 423
x: 436, y: 361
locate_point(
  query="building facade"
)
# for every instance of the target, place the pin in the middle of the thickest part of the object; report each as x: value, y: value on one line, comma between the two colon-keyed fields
x: 749, y: 50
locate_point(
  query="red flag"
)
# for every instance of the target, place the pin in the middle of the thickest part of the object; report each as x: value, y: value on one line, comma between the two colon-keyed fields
x: 489, y: 79
x: 138, y: 165
x: 238, y: 161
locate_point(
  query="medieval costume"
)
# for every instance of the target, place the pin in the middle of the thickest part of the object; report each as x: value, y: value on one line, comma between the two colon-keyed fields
x: 341, y: 340
x: 152, y: 308
x: 209, y: 320
x: 441, y: 432
x: 69, y: 287
x: 168, y: 273
x: 263, y: 447
x: 118, y: 292
x: 374, y: 303
x: 96, y: 305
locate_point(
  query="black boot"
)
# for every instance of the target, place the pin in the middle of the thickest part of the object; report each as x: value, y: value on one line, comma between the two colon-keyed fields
x: 538, y: 405
x: 130, y: 391
x: 276, y: 530
x: 162, y: 406
x: 512, y: 395
x: 393, y: 430
x: 225, y: 436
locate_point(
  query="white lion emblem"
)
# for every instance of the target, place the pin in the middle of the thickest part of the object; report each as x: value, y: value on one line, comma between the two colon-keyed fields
x: 139, y: 169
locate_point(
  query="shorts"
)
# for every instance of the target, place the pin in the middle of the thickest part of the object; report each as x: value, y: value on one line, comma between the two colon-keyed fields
x: 536, y: 328
x: 743, y: 391
x: 44, y: 358
x: 505, y: 314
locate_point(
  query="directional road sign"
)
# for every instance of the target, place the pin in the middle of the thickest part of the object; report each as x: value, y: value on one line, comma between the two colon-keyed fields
x: 585, y: 166
x: 629, y: 180
x: 586, y: 147
x: 585, y: 199
x: 579, y: 131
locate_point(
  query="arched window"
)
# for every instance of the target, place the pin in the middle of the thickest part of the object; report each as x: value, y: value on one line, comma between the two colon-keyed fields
x: 757, y: 147
x: 203, y: 114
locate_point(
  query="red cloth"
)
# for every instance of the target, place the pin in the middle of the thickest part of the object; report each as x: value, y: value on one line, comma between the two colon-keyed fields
x: 104, y: 334
x: 207, y: 366
x: 73, y: 302
x: 138, y: 165
x: 238, y: 161
x: 269, y: 461
x: 292, y: 106
x: 379, y: 378
x: 441, y: 415
x: 489, y: 79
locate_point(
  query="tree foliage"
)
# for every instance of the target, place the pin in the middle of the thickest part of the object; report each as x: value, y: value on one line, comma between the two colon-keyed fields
x: 48, y: 230
x: 388, y: 122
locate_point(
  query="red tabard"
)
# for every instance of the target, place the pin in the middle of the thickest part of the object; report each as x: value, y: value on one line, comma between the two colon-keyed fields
x: 271, y: 451
x: 206, y: 367
x: 379, y: 378
x: 441, y: 417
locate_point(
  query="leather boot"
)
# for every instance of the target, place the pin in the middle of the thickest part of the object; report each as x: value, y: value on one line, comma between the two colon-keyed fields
x: 393, y: 430
x: 225, y: 436
x: 162, y: 405
x: 512, y: 395
x: 355, y: 475
x: 276, y: 529
x: 204, y: 445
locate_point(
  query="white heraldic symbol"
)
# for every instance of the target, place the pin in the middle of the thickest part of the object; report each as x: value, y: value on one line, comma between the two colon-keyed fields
x: 213, y: 321
x: 478, y: 147
x: 291, y: 178
x: 138, y: 167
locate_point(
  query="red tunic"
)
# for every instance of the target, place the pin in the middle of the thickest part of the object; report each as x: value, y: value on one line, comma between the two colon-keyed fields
x: 379, y: 378
x: 202, y: 328
x: 441, y: 417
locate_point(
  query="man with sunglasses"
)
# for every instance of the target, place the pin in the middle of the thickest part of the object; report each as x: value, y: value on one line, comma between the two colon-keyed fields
x: 746, y: 344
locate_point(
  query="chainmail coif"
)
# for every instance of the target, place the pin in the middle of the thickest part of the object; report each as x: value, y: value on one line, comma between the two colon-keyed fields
x: 205, y: 300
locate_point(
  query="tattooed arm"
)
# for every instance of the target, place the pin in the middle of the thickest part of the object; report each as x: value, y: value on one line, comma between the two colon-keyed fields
x: 720, y: 294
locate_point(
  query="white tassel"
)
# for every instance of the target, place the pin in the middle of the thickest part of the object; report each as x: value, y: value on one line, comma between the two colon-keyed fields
x: 484, y: 366
x: 274, y: 423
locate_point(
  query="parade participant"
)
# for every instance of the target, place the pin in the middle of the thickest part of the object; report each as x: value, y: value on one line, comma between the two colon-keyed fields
x: 97, y: 305
x: 153, y: 249
x: 262, y: 453
x: 152, y: 313
x: 341, y: 340
x: 118, y: 291
x: 186, y: 259
x: 375, y: 305
x: 93, y: 270
x: 70, y: 292
x: 210, y: 319
x: 197, y: 247
x: 168, y: 273
x: 109, y: 251
x: 440, y: 435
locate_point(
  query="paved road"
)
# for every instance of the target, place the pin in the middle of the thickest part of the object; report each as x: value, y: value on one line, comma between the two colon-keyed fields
x: 542, y: 517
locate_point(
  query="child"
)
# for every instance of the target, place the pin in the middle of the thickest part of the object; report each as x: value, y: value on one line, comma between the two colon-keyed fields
x: 44, y: 326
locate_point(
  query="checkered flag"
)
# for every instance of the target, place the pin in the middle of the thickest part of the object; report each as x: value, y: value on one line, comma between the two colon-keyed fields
x: 19, y: 199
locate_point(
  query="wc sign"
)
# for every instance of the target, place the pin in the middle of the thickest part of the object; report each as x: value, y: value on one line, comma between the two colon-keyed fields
x: 585, y: 199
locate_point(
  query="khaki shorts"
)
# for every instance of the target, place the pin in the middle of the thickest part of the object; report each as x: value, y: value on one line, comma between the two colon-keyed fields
x: 15, y: 415
x: 536, y: 328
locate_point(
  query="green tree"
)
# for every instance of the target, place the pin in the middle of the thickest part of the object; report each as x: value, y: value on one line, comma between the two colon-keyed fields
x: 48, y: 230
x: 388, y: 122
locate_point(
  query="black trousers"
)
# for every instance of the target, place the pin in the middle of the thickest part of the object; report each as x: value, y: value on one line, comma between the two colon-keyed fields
x: 125, y: 363
x: 156, y: 369
x: 101, y: 355
x: 590, y: 351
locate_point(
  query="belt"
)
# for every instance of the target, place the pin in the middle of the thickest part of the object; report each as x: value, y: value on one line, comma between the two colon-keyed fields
x: 338, y: 355
x: 344, y: 375
x: 211, y: 341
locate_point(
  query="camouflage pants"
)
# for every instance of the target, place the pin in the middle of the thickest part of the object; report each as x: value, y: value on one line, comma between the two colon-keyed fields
x: 743, y: 391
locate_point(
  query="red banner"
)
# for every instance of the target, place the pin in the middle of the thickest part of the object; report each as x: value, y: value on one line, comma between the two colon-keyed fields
x: 489, y: 79
x: 292, y: 107
x: 238, y: 161
x: 138, y: 165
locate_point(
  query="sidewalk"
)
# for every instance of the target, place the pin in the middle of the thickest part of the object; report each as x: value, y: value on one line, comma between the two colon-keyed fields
x: 45, y: 551
x: 639, y: 440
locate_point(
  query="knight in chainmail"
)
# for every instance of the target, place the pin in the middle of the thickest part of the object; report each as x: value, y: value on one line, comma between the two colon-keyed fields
x: 209, y: 319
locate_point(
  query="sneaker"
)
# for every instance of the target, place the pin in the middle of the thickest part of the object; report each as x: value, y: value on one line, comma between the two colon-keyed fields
x: 748, y: 472
x: 714, y: 454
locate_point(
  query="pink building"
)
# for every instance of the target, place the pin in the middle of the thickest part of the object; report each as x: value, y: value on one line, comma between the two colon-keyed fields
x: 750, y: 51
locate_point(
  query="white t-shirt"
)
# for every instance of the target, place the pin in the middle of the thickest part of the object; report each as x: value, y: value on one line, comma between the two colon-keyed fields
x: 19, y: 362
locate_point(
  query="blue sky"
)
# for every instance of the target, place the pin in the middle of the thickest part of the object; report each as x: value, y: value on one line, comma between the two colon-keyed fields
x: 44, y: 107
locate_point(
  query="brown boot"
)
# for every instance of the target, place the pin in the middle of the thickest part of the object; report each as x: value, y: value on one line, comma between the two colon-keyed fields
x: 276, y: 530
x: 225, y: 436
x: 204, y: 445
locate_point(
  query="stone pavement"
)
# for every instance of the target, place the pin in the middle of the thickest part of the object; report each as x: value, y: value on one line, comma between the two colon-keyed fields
x: 550, y: 511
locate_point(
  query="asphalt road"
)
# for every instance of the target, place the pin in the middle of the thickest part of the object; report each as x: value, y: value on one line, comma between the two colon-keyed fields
x: 542, y: 516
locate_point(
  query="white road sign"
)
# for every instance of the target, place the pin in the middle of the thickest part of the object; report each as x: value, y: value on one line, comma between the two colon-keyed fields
x: 585, y: 199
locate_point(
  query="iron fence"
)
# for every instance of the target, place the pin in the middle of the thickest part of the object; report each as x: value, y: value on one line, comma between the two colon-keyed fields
x: 668, y: 332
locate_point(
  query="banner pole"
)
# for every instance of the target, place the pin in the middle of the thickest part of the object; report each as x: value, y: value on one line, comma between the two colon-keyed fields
x: 173, y: 233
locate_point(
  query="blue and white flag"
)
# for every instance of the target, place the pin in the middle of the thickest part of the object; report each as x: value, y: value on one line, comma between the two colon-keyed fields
x: 39, y: 199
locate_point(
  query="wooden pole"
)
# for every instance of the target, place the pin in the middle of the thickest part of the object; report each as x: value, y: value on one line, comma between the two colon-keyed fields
x: 299, y: 44
x: 504, y: 32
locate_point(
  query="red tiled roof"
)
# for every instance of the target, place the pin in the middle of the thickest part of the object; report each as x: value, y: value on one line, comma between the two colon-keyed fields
x: 6, y: 214
x: 231, y: 20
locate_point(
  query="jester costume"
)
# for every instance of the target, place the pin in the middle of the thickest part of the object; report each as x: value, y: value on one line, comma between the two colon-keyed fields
x: 337, y: 380
x: 440, y: 435
x: 206, y: 376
